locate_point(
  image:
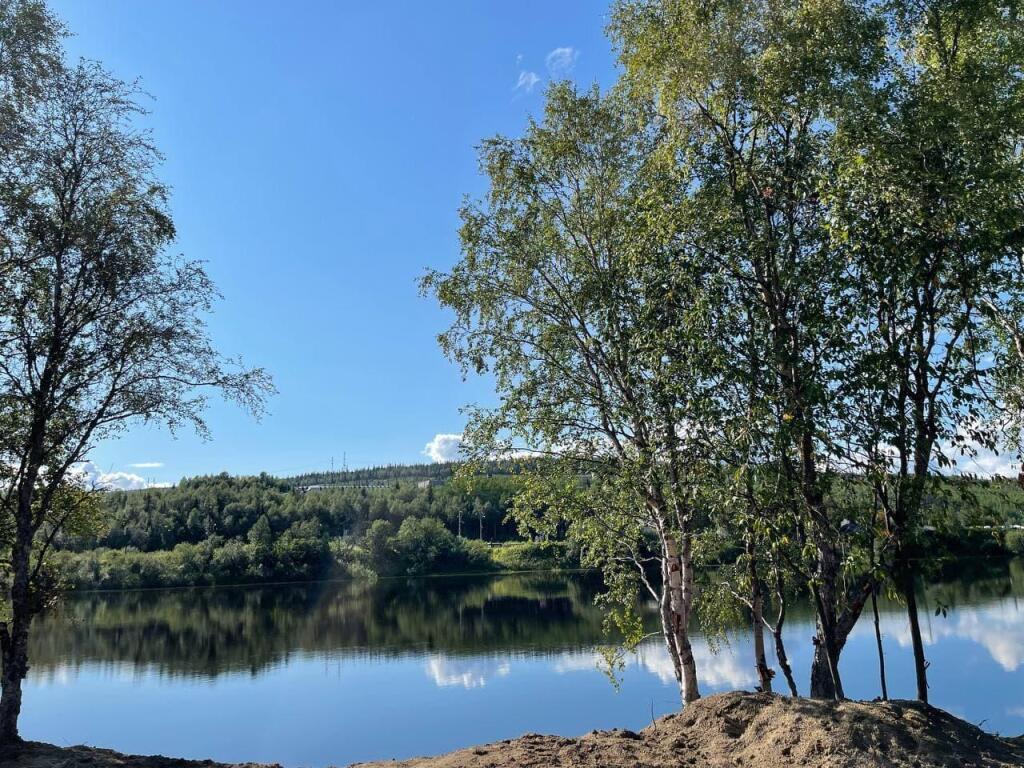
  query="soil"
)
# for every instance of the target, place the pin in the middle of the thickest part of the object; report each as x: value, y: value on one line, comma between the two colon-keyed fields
x: 731, y: 730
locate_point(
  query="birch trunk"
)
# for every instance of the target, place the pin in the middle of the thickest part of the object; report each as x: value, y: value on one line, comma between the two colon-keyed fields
x: 681, y: 590
x: 14, y: 636
x: 764, y: 672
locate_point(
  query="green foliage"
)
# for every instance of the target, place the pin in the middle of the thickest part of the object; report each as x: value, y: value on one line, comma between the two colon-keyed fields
x: 422, y: 546
x: 533, y: 555
x: 223, y: 529
x: 1015, y: 542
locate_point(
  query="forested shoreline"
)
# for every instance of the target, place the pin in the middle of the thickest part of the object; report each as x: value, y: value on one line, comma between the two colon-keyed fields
x: 223, y: 529
x: 403, y: 520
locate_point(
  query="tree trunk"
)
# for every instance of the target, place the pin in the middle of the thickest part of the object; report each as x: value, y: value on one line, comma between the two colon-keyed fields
x: 689, y: 689
x: 666, y: 626
x: 764, y: 672
x: 920, y: 665
x: 878, y: 642
x: 780, y: 652
x: 15, y: 666
x: 832, y: 635
x: 780, y: 645
x: 681, y: 594
x: 14, y: 637
x: 822, y: 682
x: 825, y: 680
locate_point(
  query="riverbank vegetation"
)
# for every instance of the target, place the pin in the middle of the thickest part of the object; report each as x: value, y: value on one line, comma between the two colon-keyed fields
x: 247, y: 530
x: 228, y: 530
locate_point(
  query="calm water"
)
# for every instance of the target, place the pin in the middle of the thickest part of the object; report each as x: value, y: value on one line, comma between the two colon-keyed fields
x: 333, y: 673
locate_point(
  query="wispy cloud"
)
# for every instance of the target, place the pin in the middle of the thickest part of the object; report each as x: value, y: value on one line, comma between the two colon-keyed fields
x: 147, y: 465
x: 527, y: 81
x: 444, y: 447
x: 560, y: 61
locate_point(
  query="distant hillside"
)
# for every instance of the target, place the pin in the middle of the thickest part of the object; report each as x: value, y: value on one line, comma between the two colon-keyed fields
x: 390, y: 473
x: 382, y: 474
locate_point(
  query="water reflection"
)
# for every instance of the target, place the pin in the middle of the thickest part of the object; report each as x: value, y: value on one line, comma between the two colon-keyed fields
x: 998, y: 627
x: 312, y: 675
x: 445, y: 671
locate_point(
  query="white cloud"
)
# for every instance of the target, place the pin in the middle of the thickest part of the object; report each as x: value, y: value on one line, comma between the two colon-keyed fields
x: 147, y: 465
x: 988, y: 464
x: 527, y: 80
x: 574, y: 661
x: 93, y: 477
x: 444, y: 447
x: 720, y: 669
x: 561, y: 61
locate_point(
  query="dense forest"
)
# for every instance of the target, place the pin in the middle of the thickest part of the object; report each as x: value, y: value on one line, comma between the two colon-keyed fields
x: 437, y: 472
x: 394, y: 520
x: 387, y: 473
x: 224, y: 529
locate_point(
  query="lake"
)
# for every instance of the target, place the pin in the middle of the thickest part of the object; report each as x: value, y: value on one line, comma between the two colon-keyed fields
x: 327, y: 674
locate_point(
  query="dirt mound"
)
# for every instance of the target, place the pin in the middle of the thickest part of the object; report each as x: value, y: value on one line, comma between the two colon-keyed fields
x: 732, y: 730
x: 744, y: 729
x: 35, y: 755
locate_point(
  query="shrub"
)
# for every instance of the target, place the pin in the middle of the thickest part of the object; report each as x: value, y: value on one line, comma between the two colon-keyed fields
x: 533, y: 555
x: 1015, y: 541
x: 424, y: 545
x: 378, y: 545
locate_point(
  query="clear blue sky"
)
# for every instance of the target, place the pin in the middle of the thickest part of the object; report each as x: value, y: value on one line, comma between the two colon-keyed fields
x: 318, y: 153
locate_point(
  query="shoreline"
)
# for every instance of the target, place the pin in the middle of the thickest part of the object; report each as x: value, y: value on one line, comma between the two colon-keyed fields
x: 941, y: 560
x: 729, y: 729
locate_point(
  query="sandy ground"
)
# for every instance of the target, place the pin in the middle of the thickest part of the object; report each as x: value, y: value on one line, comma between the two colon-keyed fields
x: 730, y: 730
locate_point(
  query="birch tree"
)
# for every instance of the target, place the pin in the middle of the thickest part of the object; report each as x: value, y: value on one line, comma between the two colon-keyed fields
x: 574, y: 295
x: 100, y: 325
x: 753, y: 90
x: 928, y: 205
x: 29, y: 54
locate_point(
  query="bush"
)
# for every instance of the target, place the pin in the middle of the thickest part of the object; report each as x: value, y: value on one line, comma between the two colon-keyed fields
x: 533, y: 555
x: 378, y: 545
x: 423, y: 545
x: 1015, y: 541
x: 477, y: 555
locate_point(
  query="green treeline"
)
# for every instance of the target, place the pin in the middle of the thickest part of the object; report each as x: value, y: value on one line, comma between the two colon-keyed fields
x: 387, y: 473
x: 230, y: 530
x: 234, y: 530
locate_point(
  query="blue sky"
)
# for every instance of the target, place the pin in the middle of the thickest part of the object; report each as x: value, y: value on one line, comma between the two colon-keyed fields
x: 318, y: 153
